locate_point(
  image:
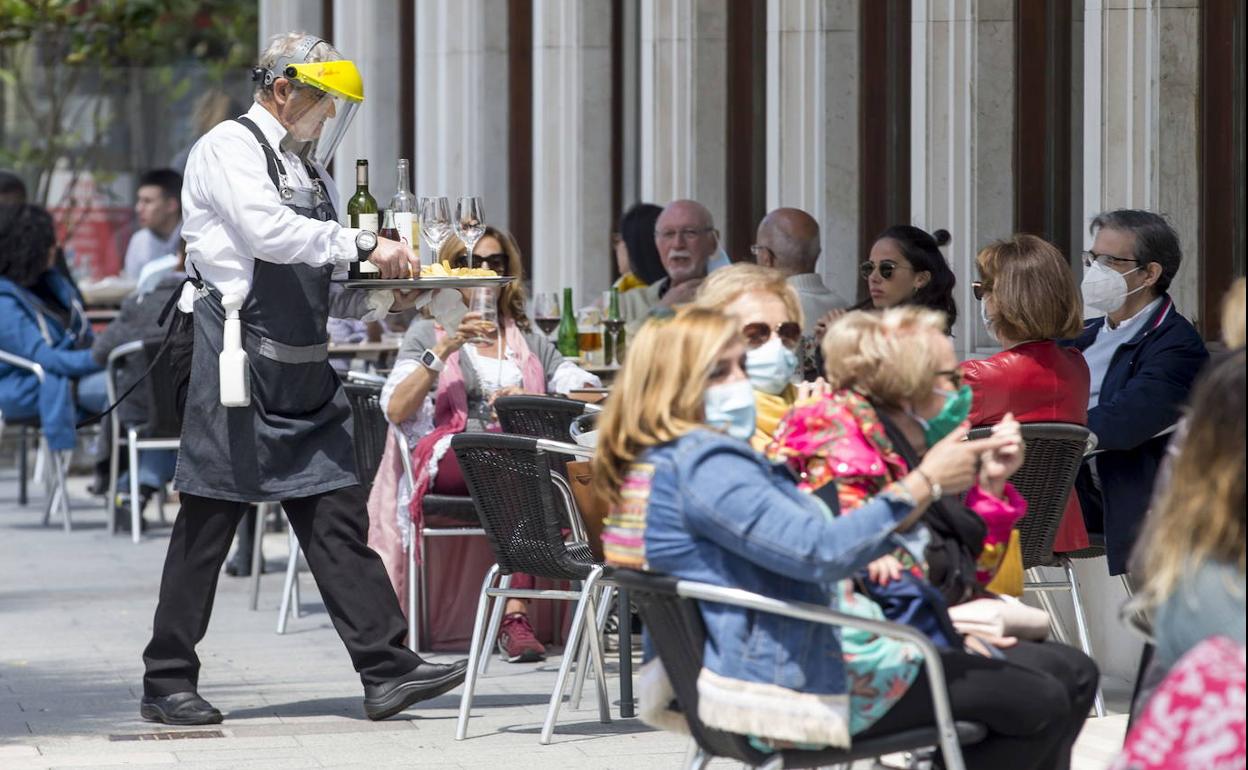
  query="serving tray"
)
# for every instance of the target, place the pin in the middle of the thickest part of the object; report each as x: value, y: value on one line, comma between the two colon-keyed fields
x: 428, y: 282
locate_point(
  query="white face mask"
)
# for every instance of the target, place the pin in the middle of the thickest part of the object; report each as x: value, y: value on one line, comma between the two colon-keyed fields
x: 771, y: 366
x: 1105, y: 289
x: 983, y: 316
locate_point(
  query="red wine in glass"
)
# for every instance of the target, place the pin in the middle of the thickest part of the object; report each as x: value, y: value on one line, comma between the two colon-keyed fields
x: 547, y: 324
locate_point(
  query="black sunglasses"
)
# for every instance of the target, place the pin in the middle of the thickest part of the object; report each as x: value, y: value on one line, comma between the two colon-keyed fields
x: 980, y: 288
x: 495, y: 262
x: 757, y: 334
x: 887, y: 268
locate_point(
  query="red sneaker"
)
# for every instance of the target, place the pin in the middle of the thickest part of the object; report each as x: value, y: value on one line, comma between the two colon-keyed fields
x: 517, y: 642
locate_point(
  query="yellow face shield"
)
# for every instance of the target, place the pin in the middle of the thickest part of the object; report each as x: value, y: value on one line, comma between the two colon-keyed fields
x: 322, y: 105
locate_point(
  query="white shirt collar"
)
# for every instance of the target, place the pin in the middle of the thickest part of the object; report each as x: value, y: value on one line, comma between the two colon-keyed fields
x: 268, y: 124
x: 1145, y: 312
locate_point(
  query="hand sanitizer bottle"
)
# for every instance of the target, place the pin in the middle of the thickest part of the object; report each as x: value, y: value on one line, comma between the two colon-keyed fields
x: 235, y: 377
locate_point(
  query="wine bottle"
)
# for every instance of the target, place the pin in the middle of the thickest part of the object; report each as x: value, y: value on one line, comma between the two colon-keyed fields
x: 567, y: 340
x: 613, y: 342
x: 362, y: 211
x: 404, y: 206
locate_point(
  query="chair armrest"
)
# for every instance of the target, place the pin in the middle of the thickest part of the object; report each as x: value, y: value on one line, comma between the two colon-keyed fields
x: 22, y: 363
x: 365, y: 378
x: 405, y: 456
x: 814, y: 613
x: 1092, y: 451
x: 561, y: 447
x: 114, y: 360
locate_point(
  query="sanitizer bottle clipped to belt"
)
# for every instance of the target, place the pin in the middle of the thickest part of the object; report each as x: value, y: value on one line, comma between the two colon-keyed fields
x: 235, y: 377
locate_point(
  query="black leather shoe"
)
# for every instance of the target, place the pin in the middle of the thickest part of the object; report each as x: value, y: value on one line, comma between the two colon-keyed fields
x: 428, y: 680
x: 181, y: 708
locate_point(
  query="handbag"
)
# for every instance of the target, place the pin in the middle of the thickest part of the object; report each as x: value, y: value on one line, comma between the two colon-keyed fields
x: 1009, y: 577
x: 592, y: 507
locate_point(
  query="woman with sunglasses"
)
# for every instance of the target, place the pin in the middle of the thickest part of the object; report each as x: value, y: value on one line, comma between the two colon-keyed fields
x: 444, y: 384
x: 1029, y: 300
x: 770, y: 313
x: 905, y: 267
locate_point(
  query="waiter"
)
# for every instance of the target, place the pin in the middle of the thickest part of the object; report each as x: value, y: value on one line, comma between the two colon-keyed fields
x: 263, y: 237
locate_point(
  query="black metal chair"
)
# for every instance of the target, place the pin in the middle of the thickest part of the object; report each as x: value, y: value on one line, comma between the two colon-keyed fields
x: 1054, y: 452
x: 548, y: 417
x: 669, y: 608
x: 524, y: 504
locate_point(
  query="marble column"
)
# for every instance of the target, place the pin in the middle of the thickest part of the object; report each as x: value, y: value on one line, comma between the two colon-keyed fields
x: 572, y: 216
x: 278, y: 16
x: 1141, y: 99
x: 961, y: 137
x: 812, y: 125
x: 374, y: 134
x: 461, y: 103
x: 684, y: 98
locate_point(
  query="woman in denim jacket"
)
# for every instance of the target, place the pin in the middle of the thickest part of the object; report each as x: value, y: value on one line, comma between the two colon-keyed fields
x: 690, y: 498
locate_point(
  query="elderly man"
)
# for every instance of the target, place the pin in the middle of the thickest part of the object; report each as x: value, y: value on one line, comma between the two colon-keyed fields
x: 265, y: 416
x: 788, y: 240
x: 1143, y: 357
x: 686, y: 238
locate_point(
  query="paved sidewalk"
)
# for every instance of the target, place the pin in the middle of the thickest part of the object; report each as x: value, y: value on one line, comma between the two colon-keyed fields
x: 75, y: 613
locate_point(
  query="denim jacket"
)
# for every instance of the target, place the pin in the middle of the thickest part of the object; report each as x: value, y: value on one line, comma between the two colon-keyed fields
x: 711, y: 509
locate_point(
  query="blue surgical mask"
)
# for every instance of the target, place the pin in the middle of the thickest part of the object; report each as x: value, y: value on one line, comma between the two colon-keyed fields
x: 729, y: 409
x: 771, y: 366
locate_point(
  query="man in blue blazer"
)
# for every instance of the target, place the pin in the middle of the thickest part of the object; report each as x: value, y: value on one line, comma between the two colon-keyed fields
x: 1143, y: 357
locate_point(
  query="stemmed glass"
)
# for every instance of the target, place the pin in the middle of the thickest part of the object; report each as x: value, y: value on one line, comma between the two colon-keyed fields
x: 546, y: 312
x: 469, y: 223
x: 435, y: 223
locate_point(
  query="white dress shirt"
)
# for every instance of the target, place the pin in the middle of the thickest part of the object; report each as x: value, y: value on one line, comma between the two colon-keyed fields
x: 233, y: 214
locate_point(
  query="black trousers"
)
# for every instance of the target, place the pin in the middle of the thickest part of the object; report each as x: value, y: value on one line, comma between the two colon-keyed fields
x: 1034, y: 704
x: 333, y: 530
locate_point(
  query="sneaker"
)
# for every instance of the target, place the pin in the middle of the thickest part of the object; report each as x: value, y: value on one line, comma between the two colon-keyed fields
x: 517, y: 642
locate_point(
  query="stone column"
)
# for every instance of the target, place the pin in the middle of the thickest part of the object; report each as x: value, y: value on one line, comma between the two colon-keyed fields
x: 278, y: 16
x: 1141, y: 99
x: 812, y: 124
x: 461, y: 103
x: 683, y: 102
x: 572, y: 216
x: 374, y: 134
x: 961, y: 137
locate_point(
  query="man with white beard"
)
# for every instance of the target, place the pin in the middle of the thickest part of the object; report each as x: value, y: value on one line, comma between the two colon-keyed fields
x: 686, y: 237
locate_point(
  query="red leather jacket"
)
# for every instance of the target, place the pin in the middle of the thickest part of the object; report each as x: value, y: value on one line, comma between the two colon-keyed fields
x: 1038, y: 382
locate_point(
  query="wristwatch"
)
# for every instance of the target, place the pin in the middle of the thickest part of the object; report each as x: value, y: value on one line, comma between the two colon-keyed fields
x: 430, y: 361
x: 365, y: 244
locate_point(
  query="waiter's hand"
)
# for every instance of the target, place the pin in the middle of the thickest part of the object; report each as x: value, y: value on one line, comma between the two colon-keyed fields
x: 395, y: 259
x: 404, y: 298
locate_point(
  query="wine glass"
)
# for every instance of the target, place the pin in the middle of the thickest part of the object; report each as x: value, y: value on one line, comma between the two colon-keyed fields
x: 484, y: 300
x: 469, y: 222
x: 546, y: 312
x: 435, y: 223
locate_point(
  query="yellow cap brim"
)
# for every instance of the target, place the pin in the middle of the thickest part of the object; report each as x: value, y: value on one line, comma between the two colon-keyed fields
x: 337, y: 78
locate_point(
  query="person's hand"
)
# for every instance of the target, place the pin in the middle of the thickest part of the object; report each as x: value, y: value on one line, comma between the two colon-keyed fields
x: 953, y: 462
x: 978, y: 644
x: 510, y: 390
x: 471, y: 326
x: 884, y: 570
x: 821, y: 326
x: 1000, y: 464
x: 811, y: 390
x: 681, y: 294
x: 395, y: 259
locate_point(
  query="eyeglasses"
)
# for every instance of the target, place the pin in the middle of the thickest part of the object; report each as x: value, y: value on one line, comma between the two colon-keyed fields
x: 1105, y: 260
x: 980, y: 288
x: 887, y: 268
x: 757, y: 250
x: 954, y: 375
x: 757, y: 334
x: 688, y: 233
x: 495, y: 262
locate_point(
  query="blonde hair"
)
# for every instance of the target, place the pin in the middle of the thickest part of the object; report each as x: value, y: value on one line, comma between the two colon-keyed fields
x: 1233, y: 310
x: 1034, y: 289
x: 1200, y: 517
x: 722, y: 287
x: 658, y: 396
x: 513, y: 298
x: 886, y: 356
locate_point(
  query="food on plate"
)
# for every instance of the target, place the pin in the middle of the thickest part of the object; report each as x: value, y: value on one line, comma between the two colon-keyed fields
x: 444, y: 270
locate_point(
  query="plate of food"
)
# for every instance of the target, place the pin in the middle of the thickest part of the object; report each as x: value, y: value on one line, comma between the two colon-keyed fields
x: 439, y: 275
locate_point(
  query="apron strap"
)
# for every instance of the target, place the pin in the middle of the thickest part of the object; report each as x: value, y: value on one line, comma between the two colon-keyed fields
x: 277, y: 170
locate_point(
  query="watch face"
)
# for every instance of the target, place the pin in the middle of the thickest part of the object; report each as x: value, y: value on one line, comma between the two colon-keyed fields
x: 366, y: 240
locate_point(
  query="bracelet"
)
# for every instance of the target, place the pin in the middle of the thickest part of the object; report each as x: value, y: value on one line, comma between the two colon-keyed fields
x: 932, y: 486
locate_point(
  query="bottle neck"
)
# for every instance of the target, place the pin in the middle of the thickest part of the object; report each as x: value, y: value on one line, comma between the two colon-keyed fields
x: 403, y: 178
x: 361, y: 178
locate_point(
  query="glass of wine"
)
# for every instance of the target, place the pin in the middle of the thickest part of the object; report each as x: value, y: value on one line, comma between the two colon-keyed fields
x: 546, y: 312
x: 484, y: 300
x: 469, y: 222
x: 435, y: 223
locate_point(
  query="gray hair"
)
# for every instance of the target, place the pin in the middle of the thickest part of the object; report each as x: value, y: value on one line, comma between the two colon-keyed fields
x: 1155, y: 240
x: 284, y: 45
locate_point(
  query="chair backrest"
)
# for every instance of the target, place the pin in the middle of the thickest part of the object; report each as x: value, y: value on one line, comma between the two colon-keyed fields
x: 679, y: 637
x: 538, y: 416
x: 370, y: 428
x: 1054, y: 453
x: 584, y: 424
x: 521, y: 510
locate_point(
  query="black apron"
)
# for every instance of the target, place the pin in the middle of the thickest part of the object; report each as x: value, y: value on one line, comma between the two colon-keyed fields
x: 294, y: 439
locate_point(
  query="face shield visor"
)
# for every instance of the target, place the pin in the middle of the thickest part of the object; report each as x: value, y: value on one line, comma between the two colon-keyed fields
x: 323, y: 101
